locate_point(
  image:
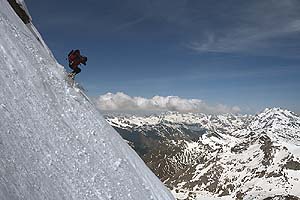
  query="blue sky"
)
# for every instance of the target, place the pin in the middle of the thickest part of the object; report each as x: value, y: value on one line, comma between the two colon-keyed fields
x: 234, y: 53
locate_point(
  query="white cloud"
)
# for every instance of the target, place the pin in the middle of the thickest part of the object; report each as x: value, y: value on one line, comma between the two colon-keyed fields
x: 123, y: 102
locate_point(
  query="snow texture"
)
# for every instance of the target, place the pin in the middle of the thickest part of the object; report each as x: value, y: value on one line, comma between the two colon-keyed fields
x: 54, y: 144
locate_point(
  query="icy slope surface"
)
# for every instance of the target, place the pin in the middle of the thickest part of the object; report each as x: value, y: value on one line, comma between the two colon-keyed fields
x: 53, y: 142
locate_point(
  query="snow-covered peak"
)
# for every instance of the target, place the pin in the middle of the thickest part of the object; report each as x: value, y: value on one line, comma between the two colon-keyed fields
x: 280, y: 124
x: 275, y: 117
x: 54, y: 144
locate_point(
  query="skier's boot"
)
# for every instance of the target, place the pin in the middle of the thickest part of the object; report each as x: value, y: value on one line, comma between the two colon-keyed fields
x: 72, y: 75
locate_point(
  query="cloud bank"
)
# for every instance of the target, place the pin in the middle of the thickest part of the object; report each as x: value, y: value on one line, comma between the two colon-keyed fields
x: 124, y: 102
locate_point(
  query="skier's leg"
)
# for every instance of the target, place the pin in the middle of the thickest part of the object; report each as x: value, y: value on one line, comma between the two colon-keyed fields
x: 77, y: 70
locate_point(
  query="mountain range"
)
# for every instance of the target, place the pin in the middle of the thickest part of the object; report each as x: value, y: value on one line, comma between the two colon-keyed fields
x: 226, y: 156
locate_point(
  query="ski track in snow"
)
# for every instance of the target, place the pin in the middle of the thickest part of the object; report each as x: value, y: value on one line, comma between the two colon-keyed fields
x: 54, y: 144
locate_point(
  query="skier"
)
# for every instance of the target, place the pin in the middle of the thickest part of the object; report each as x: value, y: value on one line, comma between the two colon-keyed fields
x: 75, y: 59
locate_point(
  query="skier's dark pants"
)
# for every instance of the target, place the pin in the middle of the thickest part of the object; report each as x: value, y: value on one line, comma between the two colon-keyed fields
x: 76, y: 70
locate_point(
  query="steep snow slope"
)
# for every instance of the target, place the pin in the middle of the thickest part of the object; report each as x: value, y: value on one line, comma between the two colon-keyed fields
x: 53, y: 142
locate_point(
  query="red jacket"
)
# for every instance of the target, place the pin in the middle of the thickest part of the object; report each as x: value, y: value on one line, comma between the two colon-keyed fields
x: 76, y: 59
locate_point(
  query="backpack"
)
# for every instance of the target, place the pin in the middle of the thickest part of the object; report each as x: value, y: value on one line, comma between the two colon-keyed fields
x: 73, y: 55
x: 70, y: 52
